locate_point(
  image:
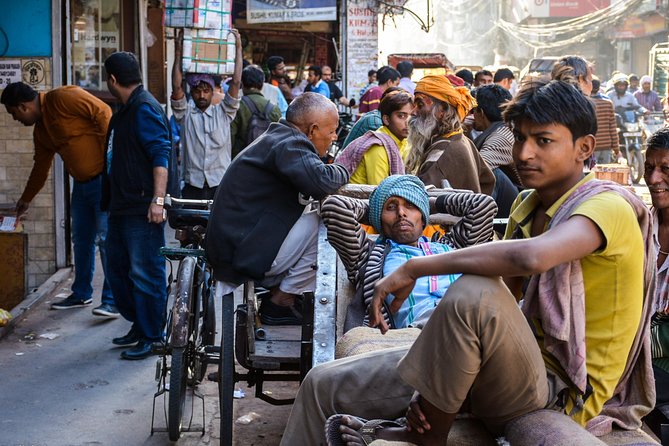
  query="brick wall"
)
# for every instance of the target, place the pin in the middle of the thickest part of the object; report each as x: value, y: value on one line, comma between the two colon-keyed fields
x: 16, y: 160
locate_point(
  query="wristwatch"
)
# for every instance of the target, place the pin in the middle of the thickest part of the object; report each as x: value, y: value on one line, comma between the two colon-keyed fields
x: 160, y: 201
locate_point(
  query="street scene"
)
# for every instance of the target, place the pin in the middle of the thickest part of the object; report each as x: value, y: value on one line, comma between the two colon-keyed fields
x: 322, y: 222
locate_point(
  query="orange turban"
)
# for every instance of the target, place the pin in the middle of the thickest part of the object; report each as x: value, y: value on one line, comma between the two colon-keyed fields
x: 439, y: 87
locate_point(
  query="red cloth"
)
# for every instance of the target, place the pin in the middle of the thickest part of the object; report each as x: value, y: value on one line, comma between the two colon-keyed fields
x: 371, y: 99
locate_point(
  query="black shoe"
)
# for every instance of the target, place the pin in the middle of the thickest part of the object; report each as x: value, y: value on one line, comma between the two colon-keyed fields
x: 71, y: 302
x: 142, y: 350
x: 129, y: 339
x: 273, y: 314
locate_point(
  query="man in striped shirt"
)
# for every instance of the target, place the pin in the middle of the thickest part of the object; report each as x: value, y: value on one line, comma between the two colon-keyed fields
x: 606, y: 139
x: 399, y: 210
x: 495, y: 144
x: 388, y: 77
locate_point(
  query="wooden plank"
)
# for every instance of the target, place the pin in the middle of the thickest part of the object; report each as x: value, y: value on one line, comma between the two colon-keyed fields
x: 345, y: 293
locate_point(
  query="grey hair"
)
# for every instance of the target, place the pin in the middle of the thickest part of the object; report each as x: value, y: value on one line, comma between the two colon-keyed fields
x: 420, y: 144
x: 306, y: 107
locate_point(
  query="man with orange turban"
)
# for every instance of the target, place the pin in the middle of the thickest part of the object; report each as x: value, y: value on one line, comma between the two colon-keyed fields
x: 439, y: 149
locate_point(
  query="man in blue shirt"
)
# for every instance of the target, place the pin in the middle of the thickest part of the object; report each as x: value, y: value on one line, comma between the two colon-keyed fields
x: 315, y: 83
x: 134, y: 187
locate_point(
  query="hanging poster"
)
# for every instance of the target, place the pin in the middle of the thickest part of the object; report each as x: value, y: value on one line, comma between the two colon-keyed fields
x: 277, y: 11
x: 362, y: 45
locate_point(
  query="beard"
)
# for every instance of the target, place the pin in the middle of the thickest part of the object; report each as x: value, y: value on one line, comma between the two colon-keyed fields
x: 421, y: 131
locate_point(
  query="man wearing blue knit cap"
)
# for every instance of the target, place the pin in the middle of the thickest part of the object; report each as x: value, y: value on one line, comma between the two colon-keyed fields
x: 399, y: 209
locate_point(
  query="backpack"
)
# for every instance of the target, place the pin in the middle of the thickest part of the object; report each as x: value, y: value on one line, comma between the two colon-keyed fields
x: 258, y: 123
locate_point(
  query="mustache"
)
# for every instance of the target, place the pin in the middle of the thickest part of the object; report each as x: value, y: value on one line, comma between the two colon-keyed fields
x: 526, y: 166
x: 402, y: 222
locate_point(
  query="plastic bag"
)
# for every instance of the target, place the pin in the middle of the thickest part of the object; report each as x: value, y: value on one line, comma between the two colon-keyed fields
x: 5, y: 317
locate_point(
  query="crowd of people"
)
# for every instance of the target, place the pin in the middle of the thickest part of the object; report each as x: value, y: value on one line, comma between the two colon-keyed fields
x: 580, y: 343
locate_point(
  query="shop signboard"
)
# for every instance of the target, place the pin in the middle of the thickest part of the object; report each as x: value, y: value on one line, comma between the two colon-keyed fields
x: 522, y: 9
x: 362, y: 45
x: 277, y: 11
x: 10, y: 72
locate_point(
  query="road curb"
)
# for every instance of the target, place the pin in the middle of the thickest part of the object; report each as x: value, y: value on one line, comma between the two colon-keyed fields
x: 34, y: 298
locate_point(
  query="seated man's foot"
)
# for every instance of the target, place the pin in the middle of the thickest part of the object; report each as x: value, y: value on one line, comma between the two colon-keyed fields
x: 131, y: 338
x: 273, y: 314
x: 143, y: 349
x: 353, y: 431
x: 71, y: 302
x: 106, y: 310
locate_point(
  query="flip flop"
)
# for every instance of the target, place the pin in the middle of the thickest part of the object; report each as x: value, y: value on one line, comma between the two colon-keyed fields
x: 367, y: 431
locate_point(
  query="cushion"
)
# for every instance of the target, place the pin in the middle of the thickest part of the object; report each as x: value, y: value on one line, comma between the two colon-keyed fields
x: 365, y: 339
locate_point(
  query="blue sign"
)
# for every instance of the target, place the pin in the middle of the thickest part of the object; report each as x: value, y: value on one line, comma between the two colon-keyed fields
x: 25, y: 28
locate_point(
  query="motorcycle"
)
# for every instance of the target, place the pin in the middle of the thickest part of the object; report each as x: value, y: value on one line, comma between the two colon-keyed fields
x: 652, y: 122
x: 630, y: 140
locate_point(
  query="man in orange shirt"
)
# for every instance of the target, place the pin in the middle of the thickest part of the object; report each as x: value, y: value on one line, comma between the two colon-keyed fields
x: 72, y: 123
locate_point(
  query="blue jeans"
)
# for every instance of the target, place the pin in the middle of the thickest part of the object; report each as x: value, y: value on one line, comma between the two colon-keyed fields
x: 137, y: 272
x: 89, y: 229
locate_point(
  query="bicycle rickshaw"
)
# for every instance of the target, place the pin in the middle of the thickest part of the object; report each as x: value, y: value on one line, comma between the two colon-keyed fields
x: 287, y: 353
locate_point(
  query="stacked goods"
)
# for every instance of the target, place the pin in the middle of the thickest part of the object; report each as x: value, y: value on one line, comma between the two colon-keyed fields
x: 200, y: 14
x: 209, y: 51
x: 209, y: 47
x: 617, y: 173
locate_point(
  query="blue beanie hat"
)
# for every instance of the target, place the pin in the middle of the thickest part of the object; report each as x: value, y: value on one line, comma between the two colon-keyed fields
x: 408, y: 187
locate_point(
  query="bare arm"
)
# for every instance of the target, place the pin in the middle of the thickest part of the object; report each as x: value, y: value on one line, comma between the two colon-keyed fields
x: 236, y: 82
x: 574, y: 239
x: 177, y: 76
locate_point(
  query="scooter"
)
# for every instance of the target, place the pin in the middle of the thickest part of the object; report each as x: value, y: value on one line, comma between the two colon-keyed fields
x: 631, y: 145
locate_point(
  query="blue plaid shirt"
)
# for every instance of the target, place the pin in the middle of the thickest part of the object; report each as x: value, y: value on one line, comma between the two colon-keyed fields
x: 428, y: 290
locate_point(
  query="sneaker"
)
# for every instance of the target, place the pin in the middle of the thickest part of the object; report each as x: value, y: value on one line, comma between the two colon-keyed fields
x: 273, y: 314
x: 71, y: 302
x: 106, y: 310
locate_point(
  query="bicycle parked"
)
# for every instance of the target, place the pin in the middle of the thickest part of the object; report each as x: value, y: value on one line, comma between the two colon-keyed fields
x: 189, y: 344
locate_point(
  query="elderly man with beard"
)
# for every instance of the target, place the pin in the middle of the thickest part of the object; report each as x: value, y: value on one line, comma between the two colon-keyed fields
x: 439, y: 149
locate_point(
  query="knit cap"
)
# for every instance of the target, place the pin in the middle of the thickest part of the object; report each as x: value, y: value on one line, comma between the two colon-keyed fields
x: 408, y: 187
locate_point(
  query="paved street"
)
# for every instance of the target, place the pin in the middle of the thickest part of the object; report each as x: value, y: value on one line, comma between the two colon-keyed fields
x: 64, y: 384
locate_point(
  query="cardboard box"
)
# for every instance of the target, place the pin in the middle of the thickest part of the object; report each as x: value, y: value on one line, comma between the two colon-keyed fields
x: 200, y: 14
x: 13, y: 269
x: 613, y: 172
x: 209, y: 51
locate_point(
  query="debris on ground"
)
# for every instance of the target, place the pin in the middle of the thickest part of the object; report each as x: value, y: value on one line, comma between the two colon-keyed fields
x: 248, y: 418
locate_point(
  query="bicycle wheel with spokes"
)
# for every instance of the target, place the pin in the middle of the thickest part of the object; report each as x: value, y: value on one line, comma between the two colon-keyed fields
x: 181, y: 332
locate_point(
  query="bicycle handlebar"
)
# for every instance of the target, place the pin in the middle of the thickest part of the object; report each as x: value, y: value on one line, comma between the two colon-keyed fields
x: 170, y: 201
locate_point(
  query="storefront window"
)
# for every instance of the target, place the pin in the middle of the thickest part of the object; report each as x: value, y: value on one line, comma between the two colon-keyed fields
x: 96, y: 26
